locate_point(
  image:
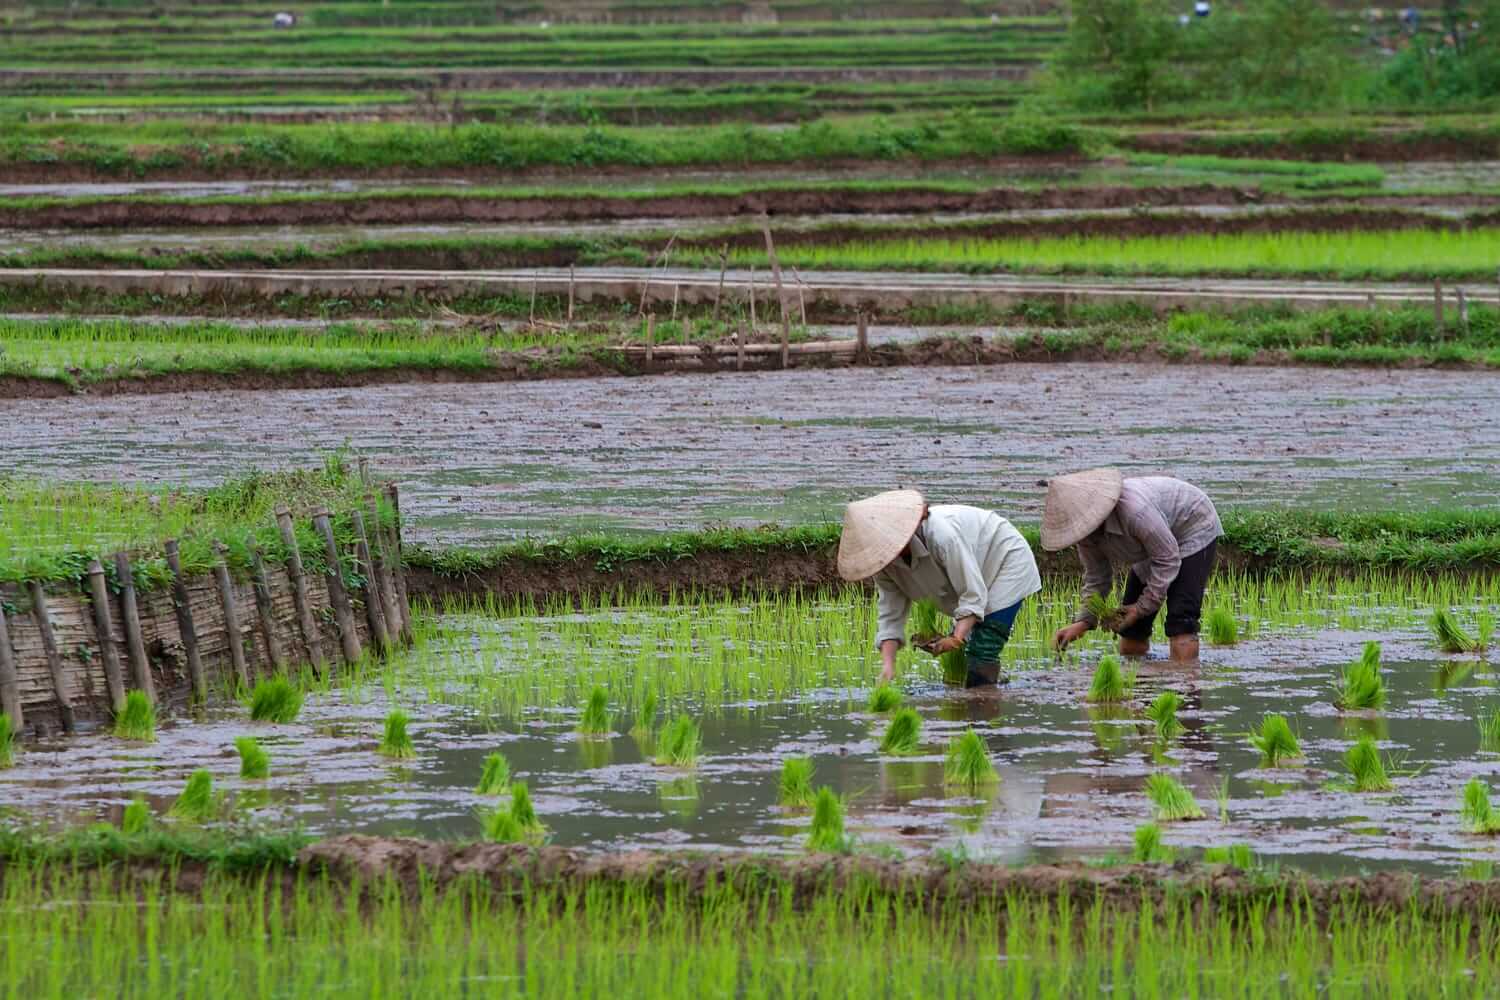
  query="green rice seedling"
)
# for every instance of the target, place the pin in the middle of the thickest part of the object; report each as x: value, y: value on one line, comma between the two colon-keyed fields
x: 1221, y: 798
x: 7, y: 742
x: 884, y: 698
x: 1361, y: 686
x: 275, y: 699
x: 1477, y: 813
x: 1105, y: 608
x: 1489, y: 731
x: 1111, y: 684
x: 137, y: 719
x: 595, y: 718
x: 1170, y: 800
x: 254, y: 762
x: 516, y: 823
x: 1451, y: 638
x: 1223, y: 628
x: 1163, y: 712
x: 1484, y: 629
x: 495, y: 777
x: 136, y: 818
x: 1149, y: 848
x: 1276, y: 741
x: 1366, y: 767
x: 968, y: 763
x: 903, y: 733
x: 827, y: 834
x: 197, y: 801
x: 395, y: 740
x: 645, y: 716
x: 678, y: 746
x: 927, y: 624
x: 796, y: 790
x: 1235, y: 855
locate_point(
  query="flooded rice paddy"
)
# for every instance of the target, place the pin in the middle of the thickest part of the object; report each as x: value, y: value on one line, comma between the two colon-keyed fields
x: 768, y: 681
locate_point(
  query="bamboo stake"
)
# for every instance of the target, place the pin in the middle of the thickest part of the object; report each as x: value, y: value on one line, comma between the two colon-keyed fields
x: 343, y: 613
x: 306, y: 623
x: 231, y: 618
x: 374, y: 602
x: 723, y: 266
x: 99, y: 596
x: 645, y: 291
x: 265, y: 612
x: 54, y: 661
x: 533, y: 299
x: 752, y: 298
x: 185, y: 626
x: 570, y: 294
x: 1437, y: 304
x: 140, y: 667
x: 801, y: 298
x: 650, y: 338
x: 393, y: 492
x: 379, y: 549
x: 10, y: 683
x: 786, y: 320
x: 739, y: 347
x: 676, y: 292
x: 862, y: 339
x: 1463, y: 310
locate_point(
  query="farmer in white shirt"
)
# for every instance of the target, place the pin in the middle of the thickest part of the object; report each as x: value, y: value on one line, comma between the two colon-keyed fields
x: 972, y: 563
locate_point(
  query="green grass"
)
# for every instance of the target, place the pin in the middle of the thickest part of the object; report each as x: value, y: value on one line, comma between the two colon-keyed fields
x: 1149, y: 848
x: 594, y: 721
x: 1366, y: 768
x: 903, y: 734
x: 275, y: 699
x: 494, y: 779
x: 967, y: 763
x: 254, y: 762
x: 7, y: 742
x: 137, y: 719
x: 1170, y: 800
x: 1361, y: 687
x: 1163, y: 714
x: 1234, y: 855
x: 1111, y: 683
x: 1222, y: 626
x: 796, y: 788
x: 1276, y: 741
x: 884, y: 698
x: 826, y: 835
x: 198, y: 801
x: 1477, y: 814
x: 678, y: 745
x: 395, y: 741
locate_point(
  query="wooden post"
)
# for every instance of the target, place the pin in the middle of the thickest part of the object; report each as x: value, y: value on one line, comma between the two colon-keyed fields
x: 801, y: 296
x: 739, y: 347
x: 337, y: 596
x: 570, y: 294
x: 185, y: 626
x: 786, y: 320
x: 650, y: 338
x: 861, y: 338
x: 398, y: 564
x: 374, y: 602
x: 752, y: 298
x: 108, y: 654
x: 364, y: 470
x: 645, y: 292
x: 533, y: 299
x: 1463, y: 310
x: 379, y: 550
x: 306, y: 623
x: 231, y: 617
x: 265, y: 611
x: 140, y: 667
x: 1437, y: 304
x: 1370, y: 301
x: 676, y: 292
x: 723, y: 266
x: 10, y: 683
x: 54, y: 661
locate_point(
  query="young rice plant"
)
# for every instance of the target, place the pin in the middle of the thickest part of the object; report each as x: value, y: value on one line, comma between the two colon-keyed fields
x: 137, y: 719
x: 495, y: 777
x: 796, y: 790
x: 968, y: 763
x: 827, y: 833
x: 903, y: 733
x: 1365, y: 766
x: 678, y: 746
x: 395, y: 741
x: 1170, y: 800
x: 275, y: 699
x: 1276, y: 741
x: 1111, y: 684
x: 254, y: 762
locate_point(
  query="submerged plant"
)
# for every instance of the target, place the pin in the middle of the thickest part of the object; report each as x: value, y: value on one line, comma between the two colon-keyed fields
x: 1163, y: 712
x: 396, y: 741
x: 1111, y: 684
x: 903, y: 733
x: 1489, y: 731
x: 495, y: 776
x: 1223, y: 627
x: 197, y: 801
x: 1149, y: 848
x: 1235, y: 855
x: 1451, y: 638
x: 1477, y: 813
x: 137, y: 719
x: 796, y: 782
x: 1276, y: 741
x: 275, y: 699
x: 968, y: 762
x: 1105, y: 608
x: 595, y: 718
x: 1361, y: 686
x: 254, y: 763
x: 645, y: 716
x: 7, y: 742
x: 1366, y: 767
x: 827, y: 834
x: 678, y: 746
x: 884, y: 698
x: 1170, y: 800
x: 136, y: 818
x: 516, y: 823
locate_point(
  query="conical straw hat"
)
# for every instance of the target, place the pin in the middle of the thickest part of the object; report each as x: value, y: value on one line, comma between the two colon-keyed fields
x: 876, y: 529
x: 1077, y: 504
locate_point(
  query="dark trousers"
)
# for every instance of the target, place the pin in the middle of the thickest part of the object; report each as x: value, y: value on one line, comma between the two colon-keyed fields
x: 1184, y: 602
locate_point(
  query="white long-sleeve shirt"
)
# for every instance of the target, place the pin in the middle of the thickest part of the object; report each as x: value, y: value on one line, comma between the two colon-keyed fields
x: 968, y: 561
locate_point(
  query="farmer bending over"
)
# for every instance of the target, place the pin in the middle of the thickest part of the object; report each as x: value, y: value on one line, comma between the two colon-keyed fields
x: 970, y: 562
x: 1164, y: 529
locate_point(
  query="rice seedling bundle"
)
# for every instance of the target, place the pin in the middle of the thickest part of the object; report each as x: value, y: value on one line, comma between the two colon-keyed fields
x: 645, y: 716
x: 796, y: 791
x: 927, y: 624
x: 595, y: 718
x: 1361, y: 686
x: 1105, y: 608
x: 1223, y: 627
x: 1450, y: 637
x: 254, y: 762
x: 1170, y: 800
x: 1163, y: 713
x: 495, y: 776
x: 678, y: 746
x: 1477, y: 813
x: 1276, y: 741
x: 7, y: 742
x: 1111, y: 684
x: 197, y: 801
x: 1235, y: 855
x: 884, y: 698
x: 1149, y: 848
x: 903, y: 733
x: 516, y: 823
x: 1489, y: 731
x: 827, y: 834
x: 968, y: 762
x: 1366, y: 767
x: 137, y: 719
x: 275, y: 699
x: 395, y: 741
x: 136, y: 818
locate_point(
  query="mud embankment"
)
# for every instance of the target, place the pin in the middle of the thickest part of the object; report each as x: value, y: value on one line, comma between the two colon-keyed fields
x: 1392, y: 146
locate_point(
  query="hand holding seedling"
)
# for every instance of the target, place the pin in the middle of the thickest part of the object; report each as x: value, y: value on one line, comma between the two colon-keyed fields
x: 1128, y: 616
x: 946, y: 644
x: 1069, y: 634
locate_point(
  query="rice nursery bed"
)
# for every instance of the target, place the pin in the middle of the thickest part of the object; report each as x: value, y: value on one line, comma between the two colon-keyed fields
x: 760, y: 681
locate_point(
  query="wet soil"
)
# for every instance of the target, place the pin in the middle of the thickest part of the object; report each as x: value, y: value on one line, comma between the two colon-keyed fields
x: 482, y: 462
x: 1390, y: 146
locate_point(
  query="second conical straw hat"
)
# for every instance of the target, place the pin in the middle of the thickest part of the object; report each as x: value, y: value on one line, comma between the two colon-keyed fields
x: 876, y: 529
x: 1077, y: 504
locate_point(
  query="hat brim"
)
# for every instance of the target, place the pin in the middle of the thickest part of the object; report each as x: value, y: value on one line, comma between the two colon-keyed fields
x: 1077, y: 505
x: 876, y: 530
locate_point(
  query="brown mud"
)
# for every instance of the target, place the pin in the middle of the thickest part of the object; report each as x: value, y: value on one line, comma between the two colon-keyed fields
x: 1375, y: 147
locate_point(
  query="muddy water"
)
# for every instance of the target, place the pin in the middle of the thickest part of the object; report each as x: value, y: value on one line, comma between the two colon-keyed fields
x: 1071, y: 776
x: 481, y: 462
